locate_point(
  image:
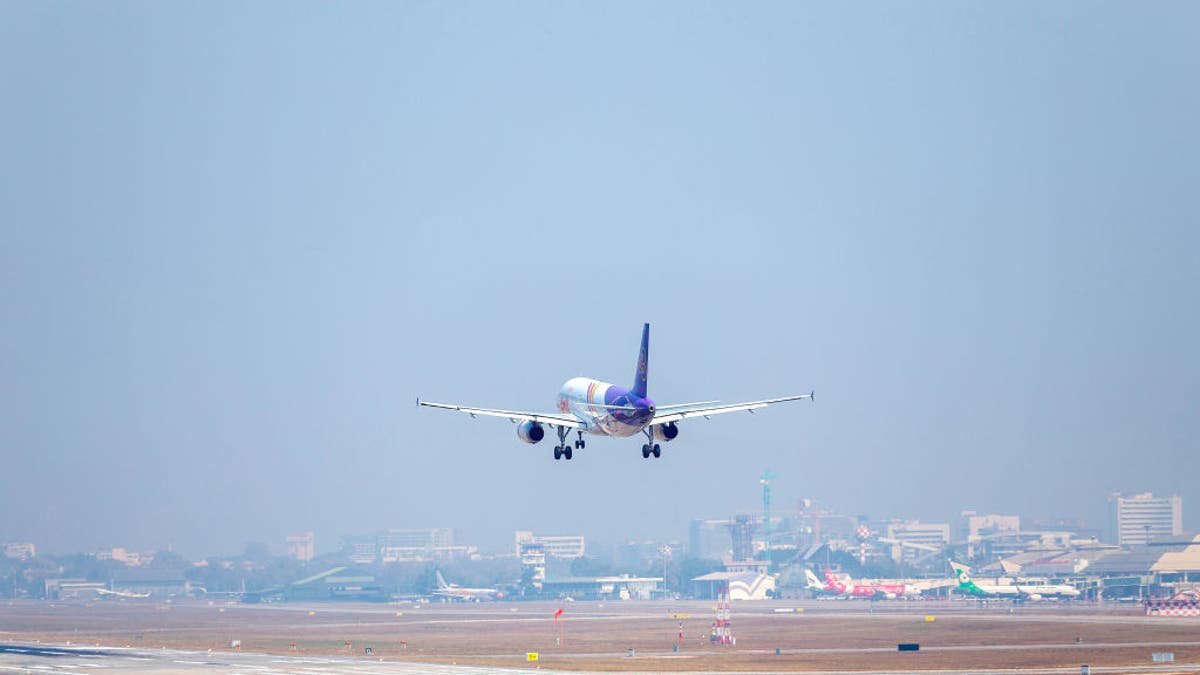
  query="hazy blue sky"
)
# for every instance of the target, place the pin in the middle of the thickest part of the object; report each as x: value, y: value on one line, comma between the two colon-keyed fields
x: 240, y: 239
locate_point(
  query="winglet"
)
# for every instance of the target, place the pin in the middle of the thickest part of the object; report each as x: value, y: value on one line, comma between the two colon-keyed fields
x: 812, y: 395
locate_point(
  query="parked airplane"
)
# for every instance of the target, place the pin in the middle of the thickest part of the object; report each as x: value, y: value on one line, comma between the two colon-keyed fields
x: 877, y: 591
x: 814, y: 584
x: 121, y: 594
x: 594, y: 407
x: 457, y: 592
x: 1016, y: 590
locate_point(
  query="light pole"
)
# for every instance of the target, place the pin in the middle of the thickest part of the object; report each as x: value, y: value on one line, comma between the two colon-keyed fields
x: 666, y: 551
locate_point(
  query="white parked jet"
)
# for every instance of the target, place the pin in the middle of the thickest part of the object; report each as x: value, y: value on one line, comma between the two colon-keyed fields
x: 456, y: 592
x: 594, y: 407
x: 1018, y: 589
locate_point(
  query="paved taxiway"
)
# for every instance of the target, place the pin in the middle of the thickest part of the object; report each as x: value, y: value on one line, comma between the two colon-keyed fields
x: 63, y: 659
x: 73, y: 660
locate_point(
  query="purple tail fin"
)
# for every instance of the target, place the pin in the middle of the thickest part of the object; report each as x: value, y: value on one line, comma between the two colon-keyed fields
x: 639, y: 380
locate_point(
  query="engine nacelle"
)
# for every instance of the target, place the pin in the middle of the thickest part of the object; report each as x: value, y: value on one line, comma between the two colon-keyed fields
x: 665, y: 432
x: 530, y: 431
x: 1035, y: 597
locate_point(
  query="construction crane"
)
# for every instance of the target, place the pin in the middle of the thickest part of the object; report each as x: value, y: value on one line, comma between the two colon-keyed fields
x: 766, y: 479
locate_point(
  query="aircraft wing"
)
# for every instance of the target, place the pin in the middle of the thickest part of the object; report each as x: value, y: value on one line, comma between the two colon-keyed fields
x: 666, y: 414
x: 553, y: 419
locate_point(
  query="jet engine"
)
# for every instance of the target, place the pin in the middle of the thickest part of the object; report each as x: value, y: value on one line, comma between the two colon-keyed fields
x: 665, y: 432
x: 530, y: 431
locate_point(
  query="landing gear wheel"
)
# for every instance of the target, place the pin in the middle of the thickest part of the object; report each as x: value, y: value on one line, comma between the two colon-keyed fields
x: 657, y: 450
x: 645, y: 451
x: 580, y: 444
x: 562, y: 449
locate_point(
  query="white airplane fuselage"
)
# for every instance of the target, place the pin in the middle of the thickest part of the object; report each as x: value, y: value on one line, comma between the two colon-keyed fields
x: 605, y: 409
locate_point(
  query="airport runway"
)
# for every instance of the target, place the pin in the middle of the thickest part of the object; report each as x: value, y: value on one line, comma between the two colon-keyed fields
x: 188, y: 638
x: 64, y: 659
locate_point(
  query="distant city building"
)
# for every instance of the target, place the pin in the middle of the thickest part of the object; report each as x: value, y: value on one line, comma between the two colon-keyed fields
x: 974, y: 528
x: 405, y: 545
x: 1136, y: 519
x: 741, y: 531
x: 916, y: 538
x: 73, y: 589
x: 300, y: 546
x: 555, y: 546
x: 20, y: 550
x: 160, y: 583
x: 622, y: 587
x: 533, y: 565
x: 740, y: 585
x: 709, y: 539
x: 1076, y: 527
x: 121, y: 555
x: 361, y: 549
x: 420, y: 544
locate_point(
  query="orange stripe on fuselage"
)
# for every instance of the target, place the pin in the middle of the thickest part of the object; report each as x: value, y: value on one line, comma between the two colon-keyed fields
x: 591, y: 391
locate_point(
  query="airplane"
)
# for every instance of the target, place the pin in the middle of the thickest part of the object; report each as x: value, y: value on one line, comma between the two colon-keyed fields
x: 120, y: 594
x: 876, y: 591
x: 590, y: 406
x: 1015, y: 590
x: 814, y: 584
x: 456, y: 592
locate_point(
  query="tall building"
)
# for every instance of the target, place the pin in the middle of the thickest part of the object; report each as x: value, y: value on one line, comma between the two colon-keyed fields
x: 533, y: 565
x: 361, y: 549
x: 556, y: 546
x: 300, y: 546
x: 741, y: 531
x: 914, y: 537
x: 709, y: 539
x: 974, y: 528
x: 20, y: 550
x: 420, y: 543
x: 1136, y: 519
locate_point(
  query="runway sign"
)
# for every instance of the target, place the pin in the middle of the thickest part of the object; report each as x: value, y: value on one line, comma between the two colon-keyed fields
x: 531, y: 656
x: 908, y: 647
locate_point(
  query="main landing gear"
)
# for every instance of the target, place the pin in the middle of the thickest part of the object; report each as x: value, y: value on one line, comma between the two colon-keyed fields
x: 650, y: 448
x: 564, y: 451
